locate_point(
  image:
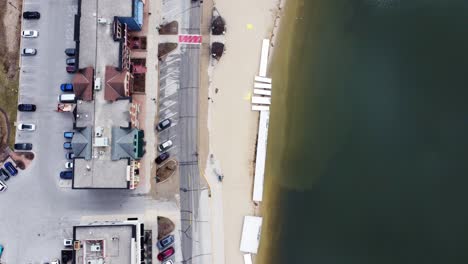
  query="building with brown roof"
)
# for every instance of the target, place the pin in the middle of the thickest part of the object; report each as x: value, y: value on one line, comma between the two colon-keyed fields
x: 83, y: 84
x: 118, y: 84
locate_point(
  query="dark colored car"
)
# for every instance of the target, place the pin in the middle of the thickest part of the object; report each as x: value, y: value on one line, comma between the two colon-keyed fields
x: 4, y: 175
x: 10, y: 168
x: 70, y: 61
x: 68, y: 134
x: 70, y: 52
x: 69, y: 155
x: 166, y: 254
x: 23, y: 146
x: 166, y: 123
x: 31, y: 15
x: 67, y: 145
x: 71, y: 69
x: 66, y: 175
x: 26, y: 107
x: 165, y: 242
x: 66, y: 87
x: 162, y: 158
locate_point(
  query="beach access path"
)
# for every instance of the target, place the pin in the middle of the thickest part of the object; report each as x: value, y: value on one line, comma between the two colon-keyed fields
x: 232, y: 124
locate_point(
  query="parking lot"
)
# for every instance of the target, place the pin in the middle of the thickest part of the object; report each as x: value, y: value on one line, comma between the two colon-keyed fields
x: 36, y: 212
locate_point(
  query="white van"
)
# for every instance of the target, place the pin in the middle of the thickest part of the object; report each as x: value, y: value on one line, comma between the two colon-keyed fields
x: 66, y: 98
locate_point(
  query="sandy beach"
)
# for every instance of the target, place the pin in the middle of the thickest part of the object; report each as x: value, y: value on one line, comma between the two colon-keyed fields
x: 232, y: 126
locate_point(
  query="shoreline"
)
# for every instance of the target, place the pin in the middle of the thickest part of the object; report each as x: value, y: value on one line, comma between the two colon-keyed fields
x: 230, y: 149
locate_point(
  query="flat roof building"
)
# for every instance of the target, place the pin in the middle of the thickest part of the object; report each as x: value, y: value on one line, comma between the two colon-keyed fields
x: 107, y: 142
x: 116, y: 242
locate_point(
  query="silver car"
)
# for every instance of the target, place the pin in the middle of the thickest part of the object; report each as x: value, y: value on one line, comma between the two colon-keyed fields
x: 28, y: 52
x: 29, y: 33
x: 165, y: 145
x: 26, y: 127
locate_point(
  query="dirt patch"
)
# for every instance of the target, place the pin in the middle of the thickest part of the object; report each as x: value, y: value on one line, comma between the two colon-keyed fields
x: 4, y: 129
x: 164, y: 49
x: 165, y: 226
x: 10, y: 26
x: 166, y: 171
x: 22, y: 159
x: 171, y: 28
x: 217, y: 50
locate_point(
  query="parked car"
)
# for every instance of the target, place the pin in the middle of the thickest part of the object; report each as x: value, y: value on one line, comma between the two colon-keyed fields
x: 66, y: 175
x: 26, y: 127
x: 3, y: 188
x: 1, y: 250
x: 169, y: 261
x: 29, y: 33
x: 28, y: 52
x: 55, y: 261
x: 70, y: 61
x: 66, y: 98
x: 23, y: 146
x: 165, y: 242
x: 68, y: 165
x: 67, y: 145
x: 31, y: 15
x: 166, y: 123
x: 10, y: 168
x: 70, y: 52
x: 66, y: 87
x: 4, y: 175
x: 26, y: 107
x: 68, y: 134
x: 165, y: 145
x: 166, y: 254
x: 71, y: 69
x: 69, y: 155
x: 164, y: 156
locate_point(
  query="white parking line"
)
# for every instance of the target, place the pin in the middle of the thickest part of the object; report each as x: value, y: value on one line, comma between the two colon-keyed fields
x: 169, y: 116
x: 166, y: 107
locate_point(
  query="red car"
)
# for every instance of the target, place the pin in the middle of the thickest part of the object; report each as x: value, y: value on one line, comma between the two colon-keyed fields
x: 166, y: 254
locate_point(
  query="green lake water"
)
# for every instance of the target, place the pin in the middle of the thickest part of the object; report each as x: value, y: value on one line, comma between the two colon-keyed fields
x: 368, y: 137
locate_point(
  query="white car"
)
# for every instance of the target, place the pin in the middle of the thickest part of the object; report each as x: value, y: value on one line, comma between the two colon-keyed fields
x: 28, y: 52
x: 3, y: 186
x: 26, y: 127
x: 165, y: 146
x: 29, y: 33
x: 68, y: 165
x: 55, y: 261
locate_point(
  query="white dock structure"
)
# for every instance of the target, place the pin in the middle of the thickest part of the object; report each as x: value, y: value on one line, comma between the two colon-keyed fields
x: 262, y: 79
x: 261, y: 155
x: 260, y: 108
x: 247, y: 259
x: 262, y: 92
x: 262, y: 85
x: 251, y: 234
x: 264, y: 58
x: 261, y: 100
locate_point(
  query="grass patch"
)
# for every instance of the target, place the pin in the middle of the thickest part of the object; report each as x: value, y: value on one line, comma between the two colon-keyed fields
x: 9, y: 100
x: 9, y: 76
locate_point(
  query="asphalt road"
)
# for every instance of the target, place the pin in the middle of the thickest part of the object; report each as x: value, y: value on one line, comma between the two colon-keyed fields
x: 36, y: 214
x: 188, y: 134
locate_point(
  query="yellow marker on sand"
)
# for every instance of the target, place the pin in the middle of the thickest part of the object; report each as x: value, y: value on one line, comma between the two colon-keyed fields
x: 249, y: 26
x: 248, y: 96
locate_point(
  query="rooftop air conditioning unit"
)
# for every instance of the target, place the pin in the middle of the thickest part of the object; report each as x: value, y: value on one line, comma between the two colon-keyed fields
x: 97, y: 84
x: 101, y: 20
x: 95, y: 247
x: 98, y: 132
